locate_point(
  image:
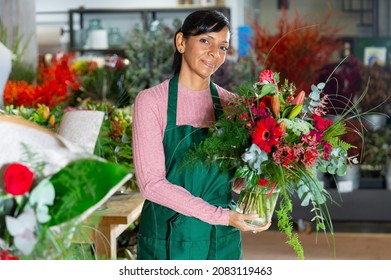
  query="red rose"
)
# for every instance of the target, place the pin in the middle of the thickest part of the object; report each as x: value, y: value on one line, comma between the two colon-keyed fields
x: 6, y: 255
x: 18, y: 179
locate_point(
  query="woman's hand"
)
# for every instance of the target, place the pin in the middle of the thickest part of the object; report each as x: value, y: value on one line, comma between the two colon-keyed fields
x: 237, y: 220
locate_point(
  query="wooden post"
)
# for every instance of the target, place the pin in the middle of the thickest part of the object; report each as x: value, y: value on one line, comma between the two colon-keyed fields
x: 20, y: 15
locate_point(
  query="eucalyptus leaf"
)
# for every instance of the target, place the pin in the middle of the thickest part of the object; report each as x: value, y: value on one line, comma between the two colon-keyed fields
x: 321, y: 86
x: 42, y: 194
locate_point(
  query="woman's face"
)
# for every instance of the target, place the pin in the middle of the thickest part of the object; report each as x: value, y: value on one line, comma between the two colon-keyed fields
x: 204, y: 54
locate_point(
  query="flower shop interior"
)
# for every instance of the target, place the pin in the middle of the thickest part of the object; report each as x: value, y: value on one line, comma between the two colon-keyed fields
x: 78, y: 65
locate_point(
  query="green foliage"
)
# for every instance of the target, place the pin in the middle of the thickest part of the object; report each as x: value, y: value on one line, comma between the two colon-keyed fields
x: 20, y: 70
x: 150, y: 53
x: 223, y: 145
x: 114, y: 141
x: 285, y: 224
x: 81, y: 185
x: 377, y: 149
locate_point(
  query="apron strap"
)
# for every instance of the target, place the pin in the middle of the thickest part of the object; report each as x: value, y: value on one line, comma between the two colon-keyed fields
x: 216, y: 101
x: 173, y: 101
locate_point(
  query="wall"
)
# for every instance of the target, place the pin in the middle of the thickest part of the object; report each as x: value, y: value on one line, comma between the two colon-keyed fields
x: 266, y: 12
x: 18, y: 19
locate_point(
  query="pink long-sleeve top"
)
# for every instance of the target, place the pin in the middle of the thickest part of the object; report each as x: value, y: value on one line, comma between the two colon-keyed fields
x: 194, y: 108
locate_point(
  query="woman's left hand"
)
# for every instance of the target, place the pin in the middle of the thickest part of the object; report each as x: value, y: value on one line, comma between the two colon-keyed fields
x: 237, y: 220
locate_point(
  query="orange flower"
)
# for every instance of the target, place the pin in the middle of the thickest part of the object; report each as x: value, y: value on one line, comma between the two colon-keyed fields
x: 276, y: 105
x: 19, y: 93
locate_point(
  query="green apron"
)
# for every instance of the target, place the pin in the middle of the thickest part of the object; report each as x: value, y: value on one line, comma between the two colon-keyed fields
x: 165, y: 234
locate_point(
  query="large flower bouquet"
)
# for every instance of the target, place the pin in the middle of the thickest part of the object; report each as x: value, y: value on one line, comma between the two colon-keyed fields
x: 277, y: 139
x: 40, y: 215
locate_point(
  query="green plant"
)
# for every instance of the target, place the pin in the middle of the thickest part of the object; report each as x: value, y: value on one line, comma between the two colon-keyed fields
x: 150, y: 54
x: 115, y: 138
x: 21, y: 71
x: 377, y: 150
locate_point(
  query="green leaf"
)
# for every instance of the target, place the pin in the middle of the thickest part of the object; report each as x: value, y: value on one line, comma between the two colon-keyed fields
x: 81, y: 185
x: 266, y: 89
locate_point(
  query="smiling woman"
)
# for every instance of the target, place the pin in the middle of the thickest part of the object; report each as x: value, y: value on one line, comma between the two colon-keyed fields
x: 187, y: 213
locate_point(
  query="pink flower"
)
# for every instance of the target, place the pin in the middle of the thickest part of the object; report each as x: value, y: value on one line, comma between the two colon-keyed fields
x: 326, y: 149
x: 18, y: 179
x: 266, y: 77
x: 299, y: 99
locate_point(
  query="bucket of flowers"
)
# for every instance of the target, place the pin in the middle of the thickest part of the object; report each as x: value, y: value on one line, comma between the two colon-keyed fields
x: 277, y: 139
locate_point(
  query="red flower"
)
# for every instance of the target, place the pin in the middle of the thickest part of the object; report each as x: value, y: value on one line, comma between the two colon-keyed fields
x: 18, y: 179
x: 320, y: 123
x: 309, y: 157
x: 263, y: 182
x: 266, y: 134
x: 326, y: 149
x: 266, y: 77
x: 6, y: 255
x: 19, y: 93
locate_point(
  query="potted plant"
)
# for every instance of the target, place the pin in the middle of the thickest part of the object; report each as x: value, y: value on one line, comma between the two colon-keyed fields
x: 375, y: 160
x: 377, y: 100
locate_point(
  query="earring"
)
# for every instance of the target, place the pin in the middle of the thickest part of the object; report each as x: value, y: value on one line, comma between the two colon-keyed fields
x: 181, y: 51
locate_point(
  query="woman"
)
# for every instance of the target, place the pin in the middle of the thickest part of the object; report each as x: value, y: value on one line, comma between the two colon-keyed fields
x: 187, y: 210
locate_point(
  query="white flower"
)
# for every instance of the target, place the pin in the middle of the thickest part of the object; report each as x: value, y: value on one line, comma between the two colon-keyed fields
x: 42, y: 196
x: 22, y: 229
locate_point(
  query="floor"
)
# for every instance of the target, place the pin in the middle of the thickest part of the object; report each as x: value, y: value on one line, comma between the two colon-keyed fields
x: 351, y: 243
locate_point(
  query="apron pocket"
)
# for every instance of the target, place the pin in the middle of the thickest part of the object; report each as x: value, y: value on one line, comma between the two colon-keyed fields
x: 182, y: 242
x: 151, y: 249
x: 226, y: 244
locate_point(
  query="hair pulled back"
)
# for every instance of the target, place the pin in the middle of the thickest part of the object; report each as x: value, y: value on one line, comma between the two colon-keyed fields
x: 197, y: 23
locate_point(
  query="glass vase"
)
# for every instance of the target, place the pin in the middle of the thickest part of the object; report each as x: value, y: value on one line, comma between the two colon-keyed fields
x: 258, y: 200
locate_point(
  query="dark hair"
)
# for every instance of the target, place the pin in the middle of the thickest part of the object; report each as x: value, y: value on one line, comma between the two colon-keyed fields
x: 199, y: 22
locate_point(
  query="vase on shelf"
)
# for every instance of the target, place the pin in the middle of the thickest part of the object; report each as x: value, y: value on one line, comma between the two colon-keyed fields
x: 115, y: 38
x: 97, y: 35
x: 258, y: 200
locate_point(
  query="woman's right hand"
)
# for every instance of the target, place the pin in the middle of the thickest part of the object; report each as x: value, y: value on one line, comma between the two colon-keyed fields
x: 237, y: 220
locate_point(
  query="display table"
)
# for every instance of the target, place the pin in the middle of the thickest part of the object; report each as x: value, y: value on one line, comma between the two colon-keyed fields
x: 118, y: 213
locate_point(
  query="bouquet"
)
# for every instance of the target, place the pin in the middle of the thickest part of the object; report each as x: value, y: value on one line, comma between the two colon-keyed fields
x: 277, y: 140
x: 39, y: 215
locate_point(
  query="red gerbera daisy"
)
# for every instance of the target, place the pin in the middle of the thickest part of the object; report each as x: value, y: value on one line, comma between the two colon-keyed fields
x: 266, y: 134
